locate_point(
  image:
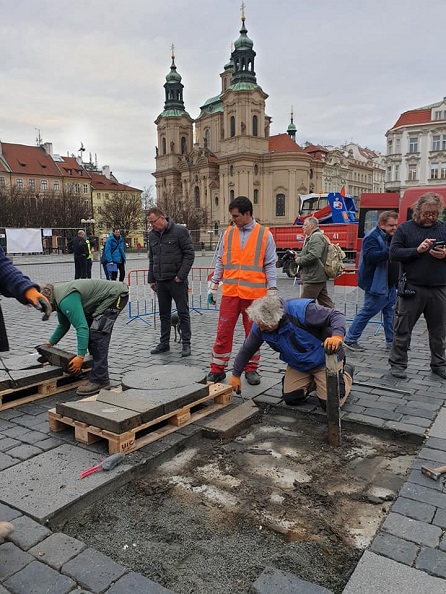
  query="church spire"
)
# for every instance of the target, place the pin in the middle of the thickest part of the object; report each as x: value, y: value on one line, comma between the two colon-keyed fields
x: 173, y: 87
x: 243, y: 56
x: 292, y: 128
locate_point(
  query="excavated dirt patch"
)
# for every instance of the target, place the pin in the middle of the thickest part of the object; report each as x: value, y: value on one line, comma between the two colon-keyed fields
x: 212, y: 518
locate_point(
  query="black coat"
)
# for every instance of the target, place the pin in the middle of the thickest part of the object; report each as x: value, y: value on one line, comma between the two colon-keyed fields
x: 171, y: 253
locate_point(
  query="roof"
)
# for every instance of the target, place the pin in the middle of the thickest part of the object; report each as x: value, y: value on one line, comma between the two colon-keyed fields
x: 28, y: 160
x: 283, y: 143
x: 413, y: 118
x: 103, y: 184
x: 69, y: 167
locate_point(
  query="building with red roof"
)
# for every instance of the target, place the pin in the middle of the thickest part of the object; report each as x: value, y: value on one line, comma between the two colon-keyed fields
x: 416, y: 148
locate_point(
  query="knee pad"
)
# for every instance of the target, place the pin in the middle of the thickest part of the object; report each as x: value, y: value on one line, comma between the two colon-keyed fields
x: 295, y: 398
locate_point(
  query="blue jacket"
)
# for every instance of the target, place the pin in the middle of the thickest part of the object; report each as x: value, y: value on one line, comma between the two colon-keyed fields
x: 374, y: 262
x: 114, y: 249
x: 12, y: 282
x: 298, y: 338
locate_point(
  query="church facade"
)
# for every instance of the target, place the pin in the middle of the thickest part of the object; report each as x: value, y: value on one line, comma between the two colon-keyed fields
x: 227, y: 150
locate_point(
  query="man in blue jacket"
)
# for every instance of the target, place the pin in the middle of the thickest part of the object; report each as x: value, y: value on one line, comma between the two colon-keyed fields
x: 114, y: 254
x: 378, y: 277
x: 302, y: 332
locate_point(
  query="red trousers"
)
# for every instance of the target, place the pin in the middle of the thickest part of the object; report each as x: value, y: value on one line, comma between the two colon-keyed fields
x: 230, y: 309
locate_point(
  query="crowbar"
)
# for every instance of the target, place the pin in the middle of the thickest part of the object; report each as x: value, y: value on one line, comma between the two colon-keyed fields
x: 106, y: 464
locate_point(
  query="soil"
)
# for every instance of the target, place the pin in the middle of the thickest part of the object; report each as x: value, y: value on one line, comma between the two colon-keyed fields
x: 216, y: 515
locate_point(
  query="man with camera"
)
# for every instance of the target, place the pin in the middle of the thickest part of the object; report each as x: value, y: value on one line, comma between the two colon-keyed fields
x: 419, y: 246
x: 377, y: 277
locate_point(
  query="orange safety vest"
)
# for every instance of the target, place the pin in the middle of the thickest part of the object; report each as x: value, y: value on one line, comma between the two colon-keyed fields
x: 244, y: 275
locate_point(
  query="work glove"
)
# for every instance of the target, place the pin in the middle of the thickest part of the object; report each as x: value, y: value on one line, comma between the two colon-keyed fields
x: 75, y: 365
x: 212, y: 293
x: 38, y: 301
x: 236, y: 384
x: 272, y: 292
x: 332, y: 344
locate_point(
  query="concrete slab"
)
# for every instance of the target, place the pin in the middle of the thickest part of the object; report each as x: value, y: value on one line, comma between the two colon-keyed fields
x: 266, y: 383
x: 438, y: 428
x: 28, y: 377
x: 163, y: 377
x: 99, y: 414
x: 378, y: 574
x: 232, y: 422
x: 50, y: 483
x: 28, y: 361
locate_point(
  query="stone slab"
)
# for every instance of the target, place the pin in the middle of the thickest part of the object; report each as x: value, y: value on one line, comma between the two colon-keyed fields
x: 375, y: 574
x: 276, y: 580
x: 57, y: 549
x: 60, y: 358
x: 438, y: 428
x: 230, y: 423
x: 28, y: 361
x: 38, y: 578
x: 28, y: 377
x: 93, y: 570
x: 99, y: 414
x: 163, y: 377
x: 13, y: 559
x: 47, y: 484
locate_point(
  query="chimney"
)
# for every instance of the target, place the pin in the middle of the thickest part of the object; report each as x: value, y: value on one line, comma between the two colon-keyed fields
x: 48, y: 148
x: 106, y: 171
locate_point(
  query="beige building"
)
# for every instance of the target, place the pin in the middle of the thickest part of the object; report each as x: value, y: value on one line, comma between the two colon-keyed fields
x: 227, y: 150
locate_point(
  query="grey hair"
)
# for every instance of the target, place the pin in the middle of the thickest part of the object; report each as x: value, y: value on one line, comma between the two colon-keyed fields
x: 313, y: 221
x: 267, y: 311
x: 47, y: 291
x: 81, y: 232
x: 428, y: 198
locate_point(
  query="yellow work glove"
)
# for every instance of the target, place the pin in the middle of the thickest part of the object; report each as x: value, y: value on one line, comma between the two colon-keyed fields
x: 75, y: 365
x: 236, y: 384
x: 332, y: 344
x: 38, y: 301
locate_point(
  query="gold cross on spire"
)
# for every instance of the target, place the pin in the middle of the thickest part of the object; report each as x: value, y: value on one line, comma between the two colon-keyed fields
x: 172, y: 47
x: 242, y: 8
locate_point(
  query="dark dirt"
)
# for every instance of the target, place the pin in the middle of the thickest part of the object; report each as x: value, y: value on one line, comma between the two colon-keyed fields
x: 215, y: 516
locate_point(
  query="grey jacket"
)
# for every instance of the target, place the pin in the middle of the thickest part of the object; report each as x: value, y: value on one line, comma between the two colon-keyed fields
x: 312, y: 258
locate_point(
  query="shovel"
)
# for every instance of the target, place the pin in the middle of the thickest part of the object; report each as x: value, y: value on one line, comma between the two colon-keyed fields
x: 106, y: 464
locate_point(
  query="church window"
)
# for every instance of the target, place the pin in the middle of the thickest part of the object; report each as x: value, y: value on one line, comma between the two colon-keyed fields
x: 197, y: 197
x: 183, y: 145
x: 255, y: 121
x: 207, y: 137
x: 216, y: 200
x: 164, y: 145
x: 256, y: 196
x: 232, y: 125
x: 280, y: 205
x: 256, y: 169
x: 231, y: 170
x: 231, y: 195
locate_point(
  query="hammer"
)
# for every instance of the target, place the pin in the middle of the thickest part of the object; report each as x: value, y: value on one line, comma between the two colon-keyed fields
x: 433, y: 473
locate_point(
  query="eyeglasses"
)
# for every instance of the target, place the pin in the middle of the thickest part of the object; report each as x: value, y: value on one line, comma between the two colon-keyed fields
x: 152, y: 222
x: 429, y: 213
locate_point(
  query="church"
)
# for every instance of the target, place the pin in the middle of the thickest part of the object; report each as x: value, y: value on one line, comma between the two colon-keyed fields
x: 227, y: 151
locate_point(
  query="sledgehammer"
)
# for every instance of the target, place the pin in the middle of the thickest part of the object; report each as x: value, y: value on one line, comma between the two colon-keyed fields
x: 433, y: 473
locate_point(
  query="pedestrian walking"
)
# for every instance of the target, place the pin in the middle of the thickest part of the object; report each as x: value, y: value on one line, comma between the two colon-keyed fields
x: 171, y: 255
x: 89, y: 257
x: 246, y: 266
x: 115, y: 254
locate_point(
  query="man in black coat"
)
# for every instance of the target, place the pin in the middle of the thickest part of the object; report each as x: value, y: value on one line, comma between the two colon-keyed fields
x: 171, y: 255
x: 80, y: 251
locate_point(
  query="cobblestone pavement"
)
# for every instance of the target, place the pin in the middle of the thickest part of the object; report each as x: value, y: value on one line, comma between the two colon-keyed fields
x: 410, y: 543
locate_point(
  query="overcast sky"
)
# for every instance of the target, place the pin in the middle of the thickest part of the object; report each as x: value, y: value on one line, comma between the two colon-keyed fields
x: 93, y: 71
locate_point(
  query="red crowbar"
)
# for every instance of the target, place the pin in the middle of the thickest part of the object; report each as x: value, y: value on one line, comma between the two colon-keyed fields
x: 106, y: 464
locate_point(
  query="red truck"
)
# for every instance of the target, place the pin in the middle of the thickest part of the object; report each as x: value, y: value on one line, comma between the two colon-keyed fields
x: 341, y: 222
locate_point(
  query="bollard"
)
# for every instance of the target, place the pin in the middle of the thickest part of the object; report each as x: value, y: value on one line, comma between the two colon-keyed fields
x: 333, y: 408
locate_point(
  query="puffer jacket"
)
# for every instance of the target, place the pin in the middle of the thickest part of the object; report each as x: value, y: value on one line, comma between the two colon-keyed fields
x: 171, y: 253
x: 312, y: 258
x: 114, y: 249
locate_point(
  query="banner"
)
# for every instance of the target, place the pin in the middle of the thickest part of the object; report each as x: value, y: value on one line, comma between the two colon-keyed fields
x: 23, y: 241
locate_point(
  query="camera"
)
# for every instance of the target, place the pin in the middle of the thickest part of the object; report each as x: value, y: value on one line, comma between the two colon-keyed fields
x: 402, y: 290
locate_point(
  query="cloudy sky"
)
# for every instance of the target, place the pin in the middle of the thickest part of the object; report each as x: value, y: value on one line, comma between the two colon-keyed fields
x: 93, y: 71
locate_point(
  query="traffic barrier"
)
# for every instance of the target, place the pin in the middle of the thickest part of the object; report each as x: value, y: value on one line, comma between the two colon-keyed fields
x: 143, y: 301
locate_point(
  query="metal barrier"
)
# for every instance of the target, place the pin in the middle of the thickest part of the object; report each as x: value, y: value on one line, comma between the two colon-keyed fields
x: 349, y: 280
x: 143, y: 301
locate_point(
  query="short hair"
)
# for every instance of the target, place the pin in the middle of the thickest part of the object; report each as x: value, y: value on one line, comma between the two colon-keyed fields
x: 156, y: 211
x: 243, y: 204
x: 116, y: 229
x: 81, y: 232
x: 386, y: 215
x: 428, y: 198
x: 266, y: 311
x: 313, y: 221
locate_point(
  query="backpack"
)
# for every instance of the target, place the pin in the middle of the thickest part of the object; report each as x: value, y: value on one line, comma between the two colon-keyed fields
x: 334, y: 265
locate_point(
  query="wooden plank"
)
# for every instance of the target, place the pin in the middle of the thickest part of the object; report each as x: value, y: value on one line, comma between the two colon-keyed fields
x: 134, y: 439
x: 44, y: 389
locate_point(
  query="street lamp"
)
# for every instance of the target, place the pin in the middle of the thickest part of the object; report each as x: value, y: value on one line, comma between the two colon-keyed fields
x: 88, y: 222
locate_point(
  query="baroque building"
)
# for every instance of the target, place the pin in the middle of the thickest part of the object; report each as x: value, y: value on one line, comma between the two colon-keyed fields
x: 227, y: 150
x: 416, y: 148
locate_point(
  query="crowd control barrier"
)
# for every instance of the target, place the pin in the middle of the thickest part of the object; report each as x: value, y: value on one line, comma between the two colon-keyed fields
x: 143, y: 302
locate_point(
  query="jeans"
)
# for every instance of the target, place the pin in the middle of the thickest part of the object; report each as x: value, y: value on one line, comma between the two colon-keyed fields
x: 373, y: 304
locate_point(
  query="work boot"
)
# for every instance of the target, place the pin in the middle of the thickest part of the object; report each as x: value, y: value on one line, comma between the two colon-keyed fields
x: 5, y: 530
x: 252, y: 377
x: 91, y: 388
x: 354, y: 346
x: 185, y: 351
x: 398, y: 372
x: 160, y: 348
x: 388, y: 346
x: 214, y: 378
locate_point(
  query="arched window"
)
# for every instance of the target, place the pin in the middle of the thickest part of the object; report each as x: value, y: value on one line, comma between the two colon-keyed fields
x: 255, y: 124
x: 183, y: 145
x: 280, y: 205
x: 216, y: 200
x: 231, y: 195
x: 231, y: 170
x: 164, y: 145
x: 207, y: 137
x: 256, y: 196
x: 232, y: 126
x: 197, y: 197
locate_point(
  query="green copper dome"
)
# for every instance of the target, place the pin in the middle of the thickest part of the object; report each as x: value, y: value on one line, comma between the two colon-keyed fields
x: 173, y: 75
x: 243, y: 42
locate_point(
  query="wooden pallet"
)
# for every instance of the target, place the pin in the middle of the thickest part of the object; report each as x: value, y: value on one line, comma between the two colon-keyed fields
x: 35, y: 391
x: 220, y: 395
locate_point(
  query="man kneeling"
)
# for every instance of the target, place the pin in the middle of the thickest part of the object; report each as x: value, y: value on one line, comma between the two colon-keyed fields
x: 302, y: 332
